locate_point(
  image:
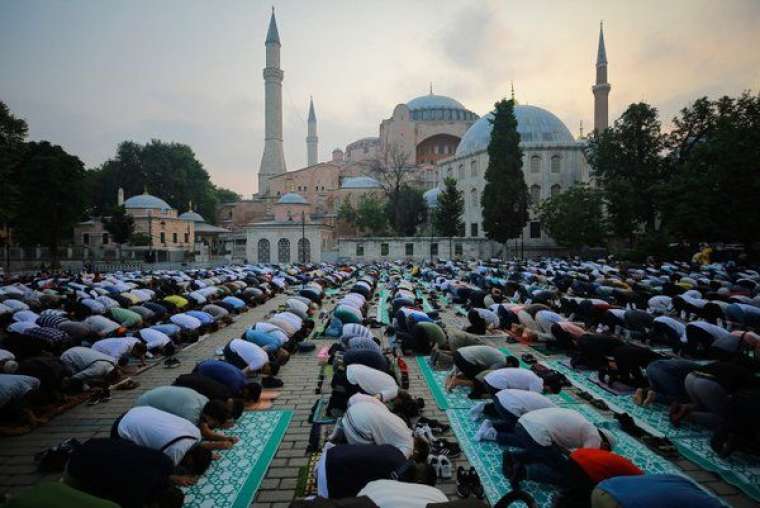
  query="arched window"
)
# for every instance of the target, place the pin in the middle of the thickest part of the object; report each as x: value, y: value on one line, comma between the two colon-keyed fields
x: 461, y: 171
x: 556, y: 189
x: 304, y: 250
x: 474, y: 168
x: 474, y: 197
x: 535, y: 164
x: 535, y: 194
x: 283, y: 251
x: 263, y: 248
x: 556, y: 163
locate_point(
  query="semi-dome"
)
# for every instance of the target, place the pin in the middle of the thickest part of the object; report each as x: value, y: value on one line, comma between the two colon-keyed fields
x: 432, y: 101
x: 192, y: 216
x: 431, y: 197
x: 534, y: 124
x: 146, y: 201
x: 291, y: 198
x: 359, y: 182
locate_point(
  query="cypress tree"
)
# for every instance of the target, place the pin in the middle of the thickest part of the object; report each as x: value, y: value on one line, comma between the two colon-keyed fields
x: 505, y: 197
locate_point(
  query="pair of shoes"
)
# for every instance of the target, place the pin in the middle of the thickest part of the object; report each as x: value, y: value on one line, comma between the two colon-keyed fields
x: 468, y: 482
x: 445, y: 447
x: 103, y: 395
x: 404, y: 370
x: 425, y: 432
x: 486, y: 432
x: 171, y: 363
x: 436, y: 426
x: 441, y: 465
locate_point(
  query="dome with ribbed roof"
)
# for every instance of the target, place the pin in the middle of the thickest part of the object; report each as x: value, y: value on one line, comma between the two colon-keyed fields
x: 292, y: 198
x: 432, y: 101
x: 431, y: 197
x: 359, y: 182
x: 193, y: 216
x: 146, y: 202
x: 535, y: 125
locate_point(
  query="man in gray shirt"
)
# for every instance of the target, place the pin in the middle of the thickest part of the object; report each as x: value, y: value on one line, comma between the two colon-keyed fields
x: 471, y: 363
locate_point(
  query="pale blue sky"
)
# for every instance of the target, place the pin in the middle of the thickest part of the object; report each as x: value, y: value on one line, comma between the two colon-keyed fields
x: 87, y: 74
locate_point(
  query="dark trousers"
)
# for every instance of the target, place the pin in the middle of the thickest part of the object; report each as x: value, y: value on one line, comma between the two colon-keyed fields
x: 544, y: 464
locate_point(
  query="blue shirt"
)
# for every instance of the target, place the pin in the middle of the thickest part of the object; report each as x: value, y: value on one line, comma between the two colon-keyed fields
x: 657, y: 491
x: 169, y: 329
x: 203, y: 317
x: 266, y: 341
x: 223, y: 372
x: 237, y: 303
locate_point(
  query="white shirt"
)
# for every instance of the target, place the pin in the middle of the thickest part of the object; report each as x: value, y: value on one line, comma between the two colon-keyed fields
x: 395, y: 494
x: 251, y: 354
x: 368, y: 423
x: 186, y: 321
x: 154, y: 338
x: 101, y: 325
x: 26, y: 315
x: 152, y: 428
x: 372, y: 381
x: 21, y: 326
x: 6, y: 355
x: 115, y: 347
x: 87, y: 363
x: 515, y: 378
x: 14, y: 386
x: 566, y: 428
x: 673, y: 324
x: 519, y: 402
x: 15, y: 305
x: 293, y: 321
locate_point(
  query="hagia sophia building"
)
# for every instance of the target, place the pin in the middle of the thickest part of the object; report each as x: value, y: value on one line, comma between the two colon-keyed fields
x: 294, y: 215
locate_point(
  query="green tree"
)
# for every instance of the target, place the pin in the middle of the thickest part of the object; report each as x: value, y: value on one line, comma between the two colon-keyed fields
x: 53, y: 183
x: 225, y: 196
x: 13, y: 132
x: 169, y: 171
x: 712, y: 192
x: 574, y: 218
x: 447, y: 214
x: 120, y: 225
x: 406, y: 209
x: 505, y: 196
x: 346, y: 212
x: 370, y: 215
x: 628, y: 161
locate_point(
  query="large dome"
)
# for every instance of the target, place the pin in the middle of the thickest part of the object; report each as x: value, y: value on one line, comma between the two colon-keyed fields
x: 145, y: 202
x: 535, y: 126
x: 193, y: 216
x: 360, y: 182
x: 432, y: 101
x: 431, y: 197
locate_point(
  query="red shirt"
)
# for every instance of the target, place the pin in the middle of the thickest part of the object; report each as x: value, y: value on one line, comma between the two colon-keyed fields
x: 601, y: 464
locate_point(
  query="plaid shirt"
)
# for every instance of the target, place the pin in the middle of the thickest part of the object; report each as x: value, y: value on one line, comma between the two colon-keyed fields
x: 50, y: 335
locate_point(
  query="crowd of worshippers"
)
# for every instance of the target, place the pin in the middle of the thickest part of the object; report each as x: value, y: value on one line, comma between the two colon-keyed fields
x: 676, y: 334
x: 170, y: 436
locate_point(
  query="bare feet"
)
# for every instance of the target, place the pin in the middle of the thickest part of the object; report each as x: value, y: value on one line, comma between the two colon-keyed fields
x: 638, y: 397
x: 651, y: 397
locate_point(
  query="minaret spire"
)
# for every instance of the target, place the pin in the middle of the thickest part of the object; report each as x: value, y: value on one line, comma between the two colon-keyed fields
x: 273, y: 159
x: 312, y: 156
x: 601, y: 89
x: 512, y: 87
x: 431, y: 88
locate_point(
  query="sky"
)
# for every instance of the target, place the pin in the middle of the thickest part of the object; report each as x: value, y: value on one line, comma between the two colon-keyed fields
x: 88, y: 74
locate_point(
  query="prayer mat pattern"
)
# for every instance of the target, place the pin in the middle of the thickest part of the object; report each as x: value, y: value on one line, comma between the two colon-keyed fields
x: 486, y: 457
x: 319, y: 413
x: 382, y: 308
x: 436, y: 381
x: 234, y: 479
x: 654, y: 419
x: 740, y: 470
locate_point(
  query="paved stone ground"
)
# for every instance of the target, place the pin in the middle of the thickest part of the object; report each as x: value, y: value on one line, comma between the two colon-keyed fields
x: 300, y: 376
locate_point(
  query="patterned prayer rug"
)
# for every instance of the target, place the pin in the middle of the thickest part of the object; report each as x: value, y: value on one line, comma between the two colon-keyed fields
x: 233, y: 479
x: 319, y: 412
x: 486, y: 456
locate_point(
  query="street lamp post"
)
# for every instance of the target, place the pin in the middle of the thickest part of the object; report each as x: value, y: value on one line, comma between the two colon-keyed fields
x: 303, y: 237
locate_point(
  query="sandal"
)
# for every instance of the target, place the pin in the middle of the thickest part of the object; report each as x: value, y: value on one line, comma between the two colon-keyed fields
x: 463, y: 487
x: 475, y: 486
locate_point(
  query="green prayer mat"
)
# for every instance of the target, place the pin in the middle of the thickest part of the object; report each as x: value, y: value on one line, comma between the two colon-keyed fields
x: 654, y: 418
x: 382, y: 308
x: 426, y: 307
x: 233, y: 479
x: 486, y: 456
x: 739, y: 469
x: 319, y: 412
x: 544, y: 349
x: 458, y: 397
x: 331, y: 291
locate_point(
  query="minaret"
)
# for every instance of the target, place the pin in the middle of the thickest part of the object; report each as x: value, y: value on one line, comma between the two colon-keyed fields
x: 311, y: 138
x: 273, y: 160
x: 601, y: 89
